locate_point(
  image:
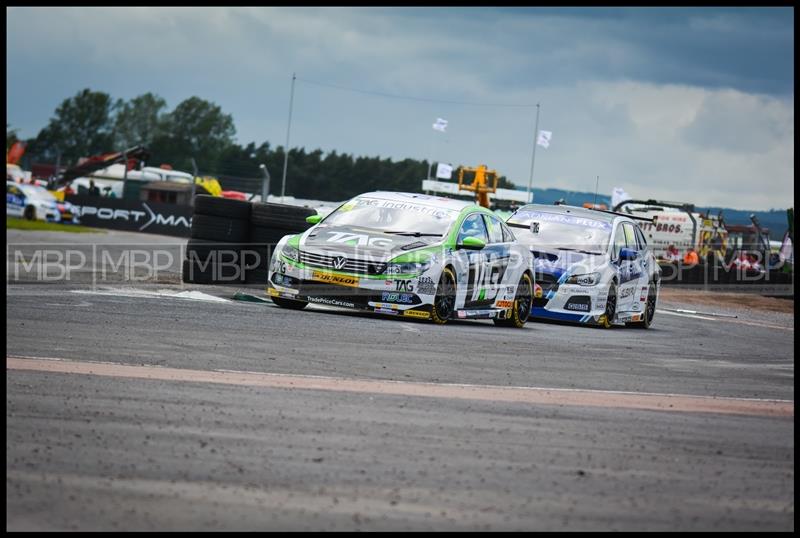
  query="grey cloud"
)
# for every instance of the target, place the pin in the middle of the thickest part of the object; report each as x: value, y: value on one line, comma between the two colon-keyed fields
x: 735, y: 122
x: 745, y: 49
x: 637, y: 96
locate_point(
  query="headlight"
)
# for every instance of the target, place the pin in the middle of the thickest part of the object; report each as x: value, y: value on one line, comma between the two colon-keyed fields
x: 588, y: 279
x: 291, y: 253
x: 407, y: 268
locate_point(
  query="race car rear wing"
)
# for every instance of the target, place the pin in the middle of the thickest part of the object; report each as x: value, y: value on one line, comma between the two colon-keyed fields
x: 686, y: 208
x: 651, y: 219
x: 657, y: 204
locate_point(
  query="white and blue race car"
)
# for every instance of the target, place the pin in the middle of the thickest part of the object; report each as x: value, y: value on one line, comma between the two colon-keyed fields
x: 408, y: 255
x: 593, y: 266
x: 34, y: 202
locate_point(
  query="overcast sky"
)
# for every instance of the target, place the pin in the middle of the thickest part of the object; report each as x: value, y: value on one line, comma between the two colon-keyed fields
x: 681, y: 104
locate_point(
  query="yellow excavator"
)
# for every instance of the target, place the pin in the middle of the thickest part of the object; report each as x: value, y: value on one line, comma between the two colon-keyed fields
x: 480, y: 184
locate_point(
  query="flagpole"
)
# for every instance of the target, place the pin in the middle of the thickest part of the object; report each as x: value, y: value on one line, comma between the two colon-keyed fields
x: 533, y: 156
x: 286, y: 149
x: 430, y: 161
x: 431, y: 153
x: 432, y: 150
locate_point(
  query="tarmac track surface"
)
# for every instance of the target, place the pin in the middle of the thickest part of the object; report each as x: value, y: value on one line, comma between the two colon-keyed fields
x: 144, y: 407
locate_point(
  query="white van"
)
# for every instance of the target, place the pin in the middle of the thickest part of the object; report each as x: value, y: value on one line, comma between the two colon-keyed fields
x: 679, y: 225
x: 169, y: 175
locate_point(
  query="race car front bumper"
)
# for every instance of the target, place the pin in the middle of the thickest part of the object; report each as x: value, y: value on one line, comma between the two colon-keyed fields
x: 579, y: 304
x: 573, y: 300
x: 51, y: 215
x: 381, y: 295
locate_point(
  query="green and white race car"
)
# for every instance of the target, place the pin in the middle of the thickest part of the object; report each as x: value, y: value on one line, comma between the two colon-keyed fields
x: 408, y: 255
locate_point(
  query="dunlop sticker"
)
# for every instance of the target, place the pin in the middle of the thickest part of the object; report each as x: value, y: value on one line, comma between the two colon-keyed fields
x: 417, y: 314
x: 335, y: 279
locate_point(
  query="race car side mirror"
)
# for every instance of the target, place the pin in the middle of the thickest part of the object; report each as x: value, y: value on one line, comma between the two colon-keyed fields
x: 628, y: 254
x: 472, y: 243
x: 313, y: 219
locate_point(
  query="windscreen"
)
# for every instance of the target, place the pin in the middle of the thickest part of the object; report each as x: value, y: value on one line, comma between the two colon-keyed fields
x: 559, y: 231
x: 396, y: 216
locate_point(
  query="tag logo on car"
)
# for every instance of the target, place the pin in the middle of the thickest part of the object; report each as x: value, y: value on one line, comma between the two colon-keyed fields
x: 359, y: 240
x: 339, y: 262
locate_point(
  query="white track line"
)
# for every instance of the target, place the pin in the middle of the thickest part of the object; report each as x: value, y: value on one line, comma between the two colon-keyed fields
x: 159, y: 294
x: 728, y: 320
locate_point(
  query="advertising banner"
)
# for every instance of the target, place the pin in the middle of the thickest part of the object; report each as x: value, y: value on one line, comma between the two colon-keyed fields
x: 133, y: 215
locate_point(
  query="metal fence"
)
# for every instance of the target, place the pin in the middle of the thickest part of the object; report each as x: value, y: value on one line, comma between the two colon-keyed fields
x: 251, y: 185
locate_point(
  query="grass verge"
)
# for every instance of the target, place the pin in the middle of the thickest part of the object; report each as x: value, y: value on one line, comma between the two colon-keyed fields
x: 13, y: 223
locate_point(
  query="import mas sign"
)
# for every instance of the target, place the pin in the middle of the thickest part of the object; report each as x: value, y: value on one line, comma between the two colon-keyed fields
x: 133, y: 215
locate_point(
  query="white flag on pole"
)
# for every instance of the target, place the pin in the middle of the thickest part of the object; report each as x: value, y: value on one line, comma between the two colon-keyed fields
x: 440, y: 124
x: 444, y: 171
x: 618, y: 195
x: 544, y: 138
x: 786, y: 253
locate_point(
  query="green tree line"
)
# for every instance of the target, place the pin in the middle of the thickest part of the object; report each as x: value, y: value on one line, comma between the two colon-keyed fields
x: 92, y: 123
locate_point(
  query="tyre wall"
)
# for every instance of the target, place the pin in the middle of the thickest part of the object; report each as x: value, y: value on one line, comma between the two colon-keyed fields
x: 232, y: 240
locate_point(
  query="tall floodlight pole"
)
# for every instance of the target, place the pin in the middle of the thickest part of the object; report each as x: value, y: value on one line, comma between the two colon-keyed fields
x: 286, y: 149
x: 264, y: 184
x: 430, y: 163
x: 432, y: 152
x: 58, y: 162
x: 533, y: 157
x: 196, y: 174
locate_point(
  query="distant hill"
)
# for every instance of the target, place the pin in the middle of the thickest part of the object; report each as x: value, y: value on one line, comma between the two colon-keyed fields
x: 774, y: 220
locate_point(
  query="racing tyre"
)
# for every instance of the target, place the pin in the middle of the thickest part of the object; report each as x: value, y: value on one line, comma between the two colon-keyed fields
x: 266, y: 236
x: 522, y: 304
x: 257, y: 276
x: 198, y: 272
x: 195, y: 272
x: 221, y: 207
x: 649, y: 307
x: 289, y: 303
x: 201, y: 249
x: 219, y: 228
x: 444, y: 301
x: 611, y: 307
x: 281, y: 216
x: 256, y: 257
x: 30, y: 213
